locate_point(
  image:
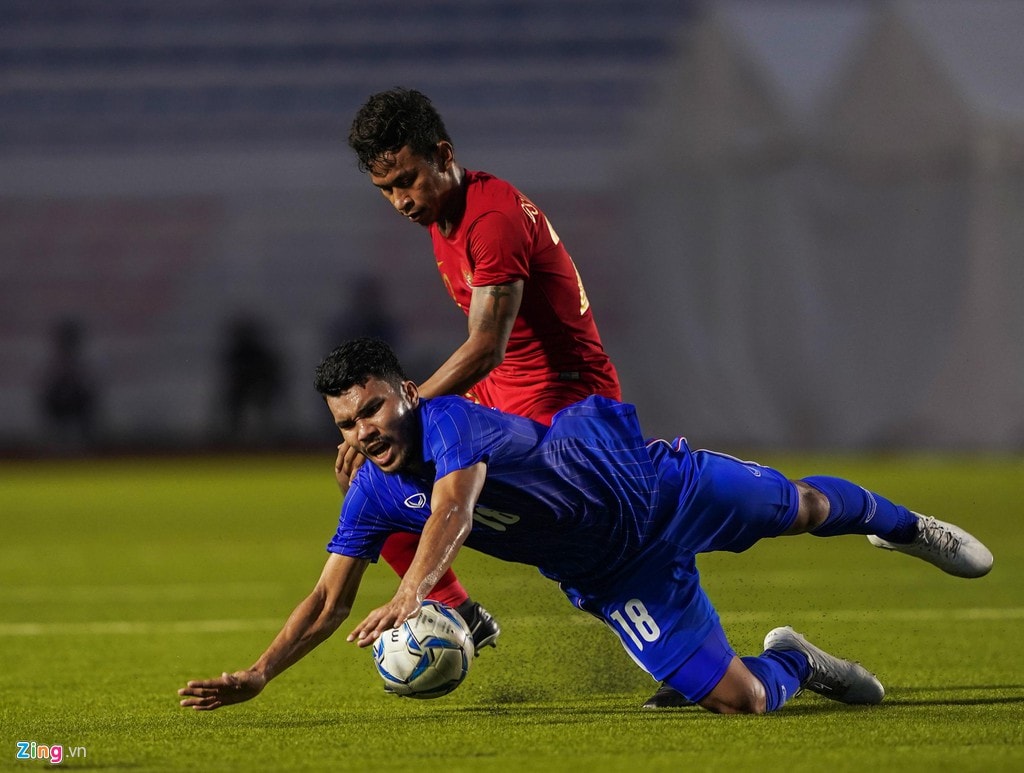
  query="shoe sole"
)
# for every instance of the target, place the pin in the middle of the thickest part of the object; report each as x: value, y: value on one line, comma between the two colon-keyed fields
x: 489, y: 641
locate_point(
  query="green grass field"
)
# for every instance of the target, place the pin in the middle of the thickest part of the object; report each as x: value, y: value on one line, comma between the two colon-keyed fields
x: 120, y: 580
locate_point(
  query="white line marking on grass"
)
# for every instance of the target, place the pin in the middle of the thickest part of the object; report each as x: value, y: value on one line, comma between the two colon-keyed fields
x: 139, y: 592
x: 864, y: 615
x: 139, y: 628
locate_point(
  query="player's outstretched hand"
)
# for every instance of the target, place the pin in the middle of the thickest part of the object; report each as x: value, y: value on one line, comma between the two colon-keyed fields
x: 345, y: 465
x: 384, y: 618
x: 208, y: 694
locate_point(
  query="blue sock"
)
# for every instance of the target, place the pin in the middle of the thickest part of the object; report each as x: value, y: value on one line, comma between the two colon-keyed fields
x: 782, y: 672
x: 855, y: 510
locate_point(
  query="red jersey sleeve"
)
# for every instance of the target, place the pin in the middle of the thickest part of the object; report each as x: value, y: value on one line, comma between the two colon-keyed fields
x: 499, y: 249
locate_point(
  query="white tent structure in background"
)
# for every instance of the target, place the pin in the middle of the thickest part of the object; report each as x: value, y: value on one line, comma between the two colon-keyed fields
x: 933, y: 104
x: 819, y: 228
x: 722, y: 273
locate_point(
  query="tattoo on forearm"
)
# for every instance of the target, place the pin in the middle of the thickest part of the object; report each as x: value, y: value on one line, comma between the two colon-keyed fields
x: 497, y: 293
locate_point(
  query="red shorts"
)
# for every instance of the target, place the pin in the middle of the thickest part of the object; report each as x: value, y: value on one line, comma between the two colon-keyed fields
x: 539, y: 396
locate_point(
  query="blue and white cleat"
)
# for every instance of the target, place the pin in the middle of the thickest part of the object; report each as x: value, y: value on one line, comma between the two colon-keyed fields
x: 946, y: 546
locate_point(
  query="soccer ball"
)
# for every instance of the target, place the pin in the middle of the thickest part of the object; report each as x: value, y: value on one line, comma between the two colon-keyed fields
x: 427, y: 656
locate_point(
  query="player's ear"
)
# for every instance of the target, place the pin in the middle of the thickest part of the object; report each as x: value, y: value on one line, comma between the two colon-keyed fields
x: 411, y: 393
x: 445, y: 155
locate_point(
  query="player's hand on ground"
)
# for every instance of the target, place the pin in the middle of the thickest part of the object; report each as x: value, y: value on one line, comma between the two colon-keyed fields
x: 345, y: 465
x: 207, y: 694
x: 384, y: 618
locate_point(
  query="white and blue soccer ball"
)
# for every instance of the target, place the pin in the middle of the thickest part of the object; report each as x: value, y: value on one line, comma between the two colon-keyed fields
x: 427, y: 656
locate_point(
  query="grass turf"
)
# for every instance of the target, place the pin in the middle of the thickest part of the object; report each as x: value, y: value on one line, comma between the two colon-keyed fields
x: 119, y: 580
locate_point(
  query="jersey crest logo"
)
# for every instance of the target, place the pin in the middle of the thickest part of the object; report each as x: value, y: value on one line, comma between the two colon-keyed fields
x: 528, y: 208
x: 416, y: 501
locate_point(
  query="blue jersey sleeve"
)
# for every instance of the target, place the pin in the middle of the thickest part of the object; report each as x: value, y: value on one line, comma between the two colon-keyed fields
x: 357, y: 535
x: 458, y: 434
x: 376, y: 506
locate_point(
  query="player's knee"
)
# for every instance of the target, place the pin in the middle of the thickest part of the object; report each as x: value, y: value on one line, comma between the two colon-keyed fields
x: 746, y: 704
x: 739, y: 692
x: 813, y: 510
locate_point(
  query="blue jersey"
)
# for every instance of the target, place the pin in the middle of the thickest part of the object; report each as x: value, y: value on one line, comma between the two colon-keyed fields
x: 617, y: 521
x: 577, y: 500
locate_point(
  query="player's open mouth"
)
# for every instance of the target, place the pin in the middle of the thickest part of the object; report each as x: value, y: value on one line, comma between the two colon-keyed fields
x: 378, y: 451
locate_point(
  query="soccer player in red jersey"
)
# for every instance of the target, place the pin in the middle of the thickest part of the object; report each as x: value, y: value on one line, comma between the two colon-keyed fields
x: 532, y: 347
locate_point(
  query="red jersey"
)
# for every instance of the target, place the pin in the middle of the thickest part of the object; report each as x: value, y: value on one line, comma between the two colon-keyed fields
x: 554, y: 355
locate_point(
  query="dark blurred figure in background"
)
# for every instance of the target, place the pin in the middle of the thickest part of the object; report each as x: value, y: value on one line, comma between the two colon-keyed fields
x: 367, y: 314
x: 252, y: 382
x: 68, y: 395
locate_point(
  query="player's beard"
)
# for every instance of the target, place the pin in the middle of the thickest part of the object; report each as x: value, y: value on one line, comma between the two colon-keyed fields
x: 396, y: 451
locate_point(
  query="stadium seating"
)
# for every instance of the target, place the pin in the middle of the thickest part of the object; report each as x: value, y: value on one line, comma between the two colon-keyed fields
x: 143, y: 194
x: 80, y: 73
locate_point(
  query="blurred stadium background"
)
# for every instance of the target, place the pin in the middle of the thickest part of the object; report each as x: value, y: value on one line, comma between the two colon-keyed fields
x: 800, y: 222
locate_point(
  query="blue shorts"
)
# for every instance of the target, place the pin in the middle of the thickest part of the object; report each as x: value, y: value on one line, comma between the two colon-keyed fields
x: 655, y: 603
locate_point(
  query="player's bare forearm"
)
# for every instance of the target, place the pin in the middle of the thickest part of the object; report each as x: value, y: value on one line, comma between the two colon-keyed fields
x: 452, y: 502
x: 492, y: 313
x: 312, y: 621
x: 450, y: 522
x: 467, y: 366
x: 309, y: 624
x: 305, y: 629
x: 443, y: 535
x: 316, y: 617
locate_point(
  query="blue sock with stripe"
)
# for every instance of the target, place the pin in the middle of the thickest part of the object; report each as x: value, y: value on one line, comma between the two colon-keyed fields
x: 855, y: 510
x: 782, y: 672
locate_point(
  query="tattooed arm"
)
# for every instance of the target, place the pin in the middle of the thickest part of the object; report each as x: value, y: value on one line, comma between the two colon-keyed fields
x: 492, y: 312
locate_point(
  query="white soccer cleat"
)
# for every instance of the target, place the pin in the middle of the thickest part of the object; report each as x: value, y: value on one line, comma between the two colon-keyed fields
x: 949, y: 547
x: 835, y: 678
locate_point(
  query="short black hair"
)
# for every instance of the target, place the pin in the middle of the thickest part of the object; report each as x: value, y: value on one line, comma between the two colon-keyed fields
x: 389, y: 121
x: 356, y: 362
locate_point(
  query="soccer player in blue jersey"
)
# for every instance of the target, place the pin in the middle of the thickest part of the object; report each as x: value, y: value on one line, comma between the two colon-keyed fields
x: 616, y: 520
